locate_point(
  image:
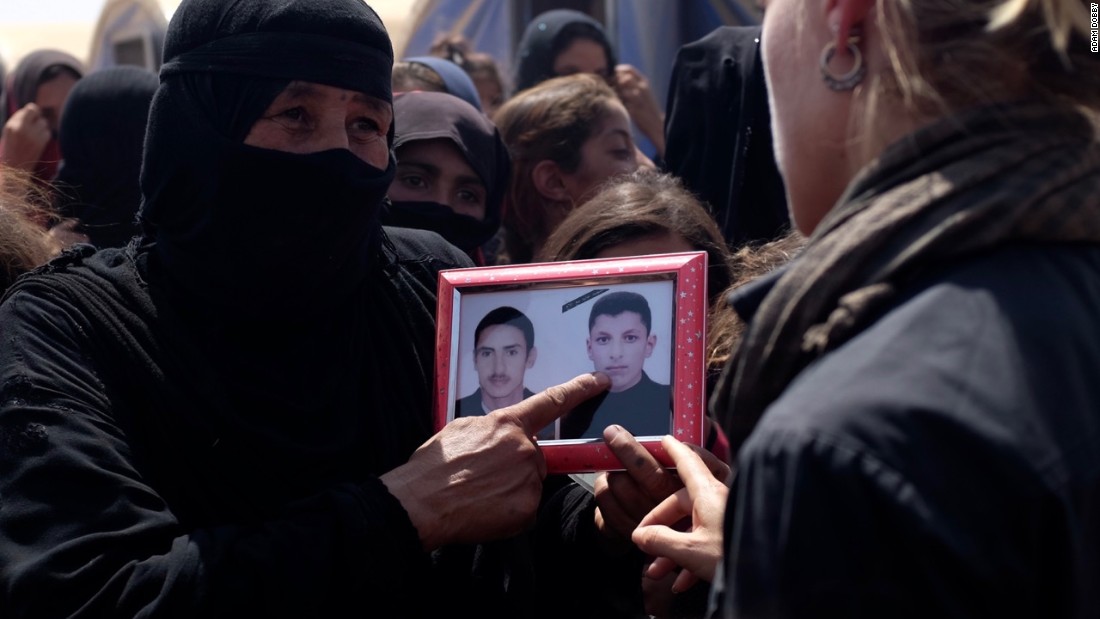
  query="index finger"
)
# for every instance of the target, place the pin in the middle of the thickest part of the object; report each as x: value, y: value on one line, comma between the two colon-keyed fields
x: 541, y: 409
x: 690, y: 466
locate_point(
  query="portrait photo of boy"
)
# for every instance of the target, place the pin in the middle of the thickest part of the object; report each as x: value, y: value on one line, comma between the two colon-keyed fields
x: 620, y: 339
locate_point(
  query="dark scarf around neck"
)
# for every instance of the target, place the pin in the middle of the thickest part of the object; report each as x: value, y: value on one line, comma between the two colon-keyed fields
x: 957, y: 188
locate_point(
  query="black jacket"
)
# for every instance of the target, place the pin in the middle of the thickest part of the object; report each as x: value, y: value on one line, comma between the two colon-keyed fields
x: 945, y: 462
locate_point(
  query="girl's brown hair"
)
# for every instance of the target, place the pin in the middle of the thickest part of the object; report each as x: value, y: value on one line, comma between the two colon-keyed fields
x: 550, y: 121
x: 641, y: 205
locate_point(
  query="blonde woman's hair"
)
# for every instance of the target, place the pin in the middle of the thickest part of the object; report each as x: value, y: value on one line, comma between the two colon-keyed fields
x: 946, y: 55
x: 25, y: 241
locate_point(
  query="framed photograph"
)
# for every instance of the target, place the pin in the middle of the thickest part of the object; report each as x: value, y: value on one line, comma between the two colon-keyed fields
x: 507, y: 332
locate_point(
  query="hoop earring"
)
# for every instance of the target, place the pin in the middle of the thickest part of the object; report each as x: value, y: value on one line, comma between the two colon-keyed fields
x: 854, y: 75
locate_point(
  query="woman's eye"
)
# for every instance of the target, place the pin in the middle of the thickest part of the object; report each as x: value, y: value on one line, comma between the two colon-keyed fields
x: 414, y: 181
x: 473, y: 197
x: 291, y: 118
x: 363, y: 128
x: 622, y: 154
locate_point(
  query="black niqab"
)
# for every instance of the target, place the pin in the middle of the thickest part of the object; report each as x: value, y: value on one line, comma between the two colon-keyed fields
x: 268, y: 269
x: 547, y: 36
x: 220, y: 211
x: 102, y: 134
x: 422, y: 116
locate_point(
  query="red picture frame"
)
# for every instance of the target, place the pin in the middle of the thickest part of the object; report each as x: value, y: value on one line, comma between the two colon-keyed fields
x: 562, y: 303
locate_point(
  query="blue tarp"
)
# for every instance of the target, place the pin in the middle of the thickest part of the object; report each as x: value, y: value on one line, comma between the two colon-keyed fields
x: 646, y: 33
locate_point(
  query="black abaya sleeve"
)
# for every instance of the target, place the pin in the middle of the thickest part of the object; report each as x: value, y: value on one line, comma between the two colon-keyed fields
x: 83, y: 533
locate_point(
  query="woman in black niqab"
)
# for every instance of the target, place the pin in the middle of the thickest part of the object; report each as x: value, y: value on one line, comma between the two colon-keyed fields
x: 219, y: 210
x: 269, y: 259
x: 207, y: 411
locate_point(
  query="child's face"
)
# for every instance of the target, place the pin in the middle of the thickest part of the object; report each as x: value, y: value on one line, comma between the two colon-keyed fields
x: 618, y: 346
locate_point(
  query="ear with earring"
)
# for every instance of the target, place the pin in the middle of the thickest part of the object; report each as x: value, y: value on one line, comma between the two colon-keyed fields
x: 851, y: 79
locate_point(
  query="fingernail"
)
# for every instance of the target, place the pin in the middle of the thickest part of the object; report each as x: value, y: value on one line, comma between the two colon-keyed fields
x: 601, y: 378
x: 612, y: 431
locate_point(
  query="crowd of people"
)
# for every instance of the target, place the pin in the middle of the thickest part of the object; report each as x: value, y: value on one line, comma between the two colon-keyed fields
x: 218, y: 319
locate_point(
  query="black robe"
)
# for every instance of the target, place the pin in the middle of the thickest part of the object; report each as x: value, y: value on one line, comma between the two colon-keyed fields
x: 107, y: 466
x: 719, y: 134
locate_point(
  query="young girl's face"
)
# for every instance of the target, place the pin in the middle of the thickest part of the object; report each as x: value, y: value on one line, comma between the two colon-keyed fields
x: 607, y: 153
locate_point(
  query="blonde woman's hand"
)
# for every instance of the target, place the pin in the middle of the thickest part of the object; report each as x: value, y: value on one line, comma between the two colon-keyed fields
x: 702, y: 499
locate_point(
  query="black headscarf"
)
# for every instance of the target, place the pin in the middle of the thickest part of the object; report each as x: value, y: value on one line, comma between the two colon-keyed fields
x: 21, y: 88
x: 102, y: 134
x: 278, y: 301
x: 422, y: 116
x: 547, y: 36
x: 719, y: 137
x: 218, y: 211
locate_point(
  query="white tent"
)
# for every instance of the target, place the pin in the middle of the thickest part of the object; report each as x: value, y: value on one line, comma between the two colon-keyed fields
x: 128, y: 32
x: 105, y: 32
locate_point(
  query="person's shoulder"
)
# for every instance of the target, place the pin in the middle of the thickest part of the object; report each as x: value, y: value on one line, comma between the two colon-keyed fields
x: 979, y: 352
x: 724, y: 41
x: 647, y: 383
x: 414, y: 245
x: 79, y: 268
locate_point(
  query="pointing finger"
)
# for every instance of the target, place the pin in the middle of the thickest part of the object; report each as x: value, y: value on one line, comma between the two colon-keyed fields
x: 693, y: 472
x: 541, y: 409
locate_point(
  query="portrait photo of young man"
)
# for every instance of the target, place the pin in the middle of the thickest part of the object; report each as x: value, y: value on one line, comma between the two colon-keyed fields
x: 504, y: 349
x: 620, y: 339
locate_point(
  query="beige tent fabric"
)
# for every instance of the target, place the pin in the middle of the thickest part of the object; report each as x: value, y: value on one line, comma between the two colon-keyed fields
x: 16, y: 40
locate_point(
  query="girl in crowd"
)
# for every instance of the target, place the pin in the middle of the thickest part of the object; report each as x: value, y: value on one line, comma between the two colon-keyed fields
x: 452, y: 170
x: 563, y: 42
x: 643, y: 213
x: 35, y: 95
x: 566, y: 136
x: 915, y: 424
